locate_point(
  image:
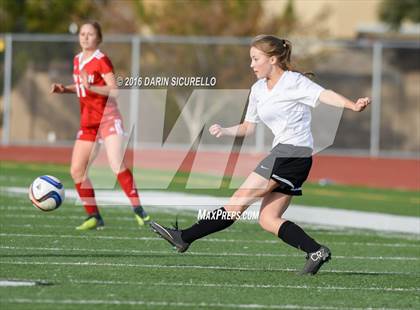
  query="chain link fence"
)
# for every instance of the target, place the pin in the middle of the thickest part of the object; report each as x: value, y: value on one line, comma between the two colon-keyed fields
x: 389, y: 72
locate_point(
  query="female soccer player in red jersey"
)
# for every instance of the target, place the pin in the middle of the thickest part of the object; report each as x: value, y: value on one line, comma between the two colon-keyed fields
x: 99, y: 119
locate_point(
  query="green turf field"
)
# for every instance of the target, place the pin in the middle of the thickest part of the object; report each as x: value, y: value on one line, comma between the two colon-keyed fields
x: 243, y: 267
x: 123, y: 266
x: 333, y: 196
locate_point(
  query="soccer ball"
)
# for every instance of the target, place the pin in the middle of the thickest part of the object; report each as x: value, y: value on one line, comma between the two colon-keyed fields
x: 46, y: 193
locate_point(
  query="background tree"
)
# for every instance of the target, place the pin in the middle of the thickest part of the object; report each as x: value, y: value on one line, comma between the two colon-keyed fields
x: 395, y: 12
x: 229, y: 63
x: 45, y: 16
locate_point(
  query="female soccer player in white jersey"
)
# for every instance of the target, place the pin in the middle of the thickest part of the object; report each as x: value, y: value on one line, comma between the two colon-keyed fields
x: 99, y: 119
x: 281, y: 99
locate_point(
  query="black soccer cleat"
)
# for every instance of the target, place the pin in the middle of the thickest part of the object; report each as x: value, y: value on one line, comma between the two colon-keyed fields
x: 173, y: 236
x: 315, y: 260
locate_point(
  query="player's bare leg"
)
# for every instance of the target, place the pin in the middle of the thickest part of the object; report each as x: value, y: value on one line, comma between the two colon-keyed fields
x: 271, y: 219
x: 272, y: 208
x: 254, y: 188
x: 83, y: 153
x: 115, y: 154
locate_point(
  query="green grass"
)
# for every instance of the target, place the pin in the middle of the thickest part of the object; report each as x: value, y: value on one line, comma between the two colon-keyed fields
x: 389, y: 201
x: 243, y: 265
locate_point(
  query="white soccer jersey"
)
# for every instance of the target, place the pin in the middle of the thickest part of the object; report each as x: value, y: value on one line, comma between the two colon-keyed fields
x: 285, y: 109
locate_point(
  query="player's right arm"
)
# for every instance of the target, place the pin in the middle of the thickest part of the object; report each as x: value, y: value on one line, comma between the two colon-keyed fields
x: 241, y: 130
x: 61, y: 89
x: 246, y: 128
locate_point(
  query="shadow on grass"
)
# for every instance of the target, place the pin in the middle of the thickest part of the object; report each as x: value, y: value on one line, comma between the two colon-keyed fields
x: 85, y: 255
x: 372, y: 273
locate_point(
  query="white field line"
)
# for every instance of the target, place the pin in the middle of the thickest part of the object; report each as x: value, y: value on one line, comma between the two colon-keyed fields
x: 72, y: 217
x: 260, y: 286
x: 231, y: 230
x: 177, y: 304
x: 304, y: 214
x: 76, y: 214
x: 310, y: 228
x: 38, y: 227
x: 9, y: 283
x: 109, y: 209
x: 91, y: 236
x: 200, y: 267
x: 191, y: 253
x: 227, y: 285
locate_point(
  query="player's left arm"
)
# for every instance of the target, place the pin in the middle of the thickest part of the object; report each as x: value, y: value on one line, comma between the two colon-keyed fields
x: 332, y: 98
x: 110, y: 89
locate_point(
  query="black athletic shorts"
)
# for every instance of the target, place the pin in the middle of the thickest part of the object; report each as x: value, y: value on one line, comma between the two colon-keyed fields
x: 289, y: 166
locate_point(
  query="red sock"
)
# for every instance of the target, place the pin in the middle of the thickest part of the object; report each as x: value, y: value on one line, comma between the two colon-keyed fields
x: 87, y: 195
x: 126, y: 180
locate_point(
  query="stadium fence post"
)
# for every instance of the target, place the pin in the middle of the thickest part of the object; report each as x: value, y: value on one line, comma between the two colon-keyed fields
x: 134, y: 95
x: 375, y: 116
x: 7, y: 89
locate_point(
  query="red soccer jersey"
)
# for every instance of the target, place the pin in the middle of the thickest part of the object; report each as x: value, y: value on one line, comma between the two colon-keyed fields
x: 93, y: 106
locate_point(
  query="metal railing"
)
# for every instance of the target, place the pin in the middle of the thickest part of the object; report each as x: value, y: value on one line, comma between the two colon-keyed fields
x: 379, y: 127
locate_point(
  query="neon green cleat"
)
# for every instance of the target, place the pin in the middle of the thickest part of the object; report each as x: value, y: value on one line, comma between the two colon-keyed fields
x: 142, y: 220
x: 91, y: 222
x: 141, y: 216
